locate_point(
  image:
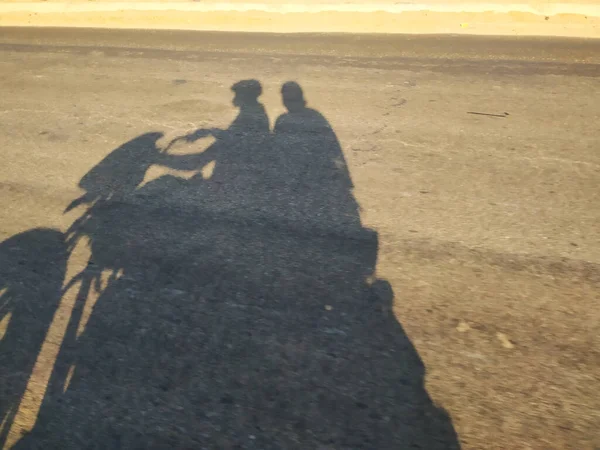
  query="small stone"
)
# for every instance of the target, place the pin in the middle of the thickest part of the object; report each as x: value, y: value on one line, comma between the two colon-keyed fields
x: 463, y: 327
x: 504, y: 340
x: 328, y: 307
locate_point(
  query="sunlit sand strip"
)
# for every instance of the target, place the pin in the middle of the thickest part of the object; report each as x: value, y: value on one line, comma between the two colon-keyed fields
x: 283, y: 7
x: 536, y: 18
x: 92, y: 298
x: 4, y: 324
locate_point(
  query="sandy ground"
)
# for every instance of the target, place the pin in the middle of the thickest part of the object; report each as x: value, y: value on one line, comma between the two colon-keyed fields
x: 474, y: 160
x: 567, y: 19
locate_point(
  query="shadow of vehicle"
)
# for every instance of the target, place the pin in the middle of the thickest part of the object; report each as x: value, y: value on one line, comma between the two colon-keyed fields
x: 241, y: 311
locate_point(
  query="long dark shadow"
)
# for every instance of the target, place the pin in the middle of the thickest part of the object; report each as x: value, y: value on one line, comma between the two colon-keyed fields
x: 242, y: 309
x: 32, y: 269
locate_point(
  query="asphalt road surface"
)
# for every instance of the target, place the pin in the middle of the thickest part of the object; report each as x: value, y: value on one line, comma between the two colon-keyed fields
x: 396, y: 245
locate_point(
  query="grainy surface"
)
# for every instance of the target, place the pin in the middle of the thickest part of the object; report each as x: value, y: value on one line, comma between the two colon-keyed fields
x: 382, y: 270
x: 564, y: 18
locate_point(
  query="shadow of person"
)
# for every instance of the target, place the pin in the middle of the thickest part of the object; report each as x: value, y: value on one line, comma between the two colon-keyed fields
x: 237, y: 153
x: 318, y: 185
x: 241, y: 160
x: 32, y: 270
x: 231, y: 329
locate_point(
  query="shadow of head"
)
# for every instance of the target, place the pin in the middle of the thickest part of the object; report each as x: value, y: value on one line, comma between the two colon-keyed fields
x: 246, y: 92
x: 293, y: 96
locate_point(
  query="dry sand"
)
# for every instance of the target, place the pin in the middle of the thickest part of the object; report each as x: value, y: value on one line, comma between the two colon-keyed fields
x: 567, y: 18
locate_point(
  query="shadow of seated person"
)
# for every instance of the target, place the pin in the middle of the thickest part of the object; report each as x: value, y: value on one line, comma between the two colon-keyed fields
x: 237, y: 153
x: 317, y: 180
